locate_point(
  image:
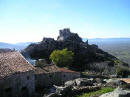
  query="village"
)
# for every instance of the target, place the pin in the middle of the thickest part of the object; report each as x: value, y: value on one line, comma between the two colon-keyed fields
x: 64, y: 48
x: 19, y: 78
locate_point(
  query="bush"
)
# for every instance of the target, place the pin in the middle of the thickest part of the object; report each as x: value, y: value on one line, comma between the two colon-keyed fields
x: 62, y: 57
x: 118, y: 62
x: 122, y: 71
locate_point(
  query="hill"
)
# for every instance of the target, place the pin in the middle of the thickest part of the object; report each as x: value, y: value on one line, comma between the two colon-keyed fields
x: 17, y: 46
x: 86, y: 56
x: 119, y: 47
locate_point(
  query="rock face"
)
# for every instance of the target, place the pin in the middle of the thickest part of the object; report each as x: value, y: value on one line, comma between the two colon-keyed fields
x: 84, y: 54
x: 42, y: 49
x: 117, y: 93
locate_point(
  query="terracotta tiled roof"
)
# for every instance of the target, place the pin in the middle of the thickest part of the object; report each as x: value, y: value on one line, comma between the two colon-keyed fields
x: 66, y: 70
x: 12, y: 62
x: 39, y: 70
x: 51, y: 69
x: 127, y: 80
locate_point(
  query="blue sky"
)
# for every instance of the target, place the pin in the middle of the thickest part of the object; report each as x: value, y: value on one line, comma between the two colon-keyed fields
x: 31, y: 20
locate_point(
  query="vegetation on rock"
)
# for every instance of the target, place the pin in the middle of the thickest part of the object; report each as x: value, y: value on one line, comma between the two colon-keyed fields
x: 97, y: 93
x: 122, y: 71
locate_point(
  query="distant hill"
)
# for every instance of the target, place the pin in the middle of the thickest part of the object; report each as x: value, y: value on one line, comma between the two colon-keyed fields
x: 119, y: 47
x: 17, y: 46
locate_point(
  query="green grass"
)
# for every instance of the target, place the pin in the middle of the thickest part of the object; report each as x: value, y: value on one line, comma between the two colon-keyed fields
x: 97, y: 93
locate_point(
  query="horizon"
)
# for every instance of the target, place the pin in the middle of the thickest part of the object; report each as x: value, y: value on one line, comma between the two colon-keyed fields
x: 30, y: 20
x: 83, y: 39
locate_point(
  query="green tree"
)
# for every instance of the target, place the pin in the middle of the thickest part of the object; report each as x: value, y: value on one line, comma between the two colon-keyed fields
x: 62, y: 57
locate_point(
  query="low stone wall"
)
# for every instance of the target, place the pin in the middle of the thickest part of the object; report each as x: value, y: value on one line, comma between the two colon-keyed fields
x: 58, y: 78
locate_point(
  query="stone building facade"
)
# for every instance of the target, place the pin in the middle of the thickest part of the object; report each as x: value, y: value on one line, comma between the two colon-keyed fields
x: 16, y: 75
x: 53, y: 75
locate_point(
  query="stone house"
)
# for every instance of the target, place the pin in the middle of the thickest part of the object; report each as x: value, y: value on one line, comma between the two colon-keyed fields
x: 16, y: 75
x: 53, y: 75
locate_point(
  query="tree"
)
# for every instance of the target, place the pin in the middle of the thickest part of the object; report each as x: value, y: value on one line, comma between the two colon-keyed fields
x: 62, y: 57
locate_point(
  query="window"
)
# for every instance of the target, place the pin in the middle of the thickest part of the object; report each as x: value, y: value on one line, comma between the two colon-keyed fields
x: 64, y: 75
x: 28, y: 77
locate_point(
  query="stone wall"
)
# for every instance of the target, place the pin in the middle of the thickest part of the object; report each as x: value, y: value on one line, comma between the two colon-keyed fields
x: 16, y: 85
x: 57, y: 78
x: 47, y: 79
x: 66, y: 76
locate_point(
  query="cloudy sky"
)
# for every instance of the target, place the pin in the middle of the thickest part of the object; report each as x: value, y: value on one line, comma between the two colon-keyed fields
x: 31, y: 20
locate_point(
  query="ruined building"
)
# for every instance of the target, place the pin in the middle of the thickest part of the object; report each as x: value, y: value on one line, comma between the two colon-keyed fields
x: 16, y: 75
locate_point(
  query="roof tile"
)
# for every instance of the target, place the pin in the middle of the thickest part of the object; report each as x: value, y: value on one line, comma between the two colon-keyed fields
x: 12, y: 62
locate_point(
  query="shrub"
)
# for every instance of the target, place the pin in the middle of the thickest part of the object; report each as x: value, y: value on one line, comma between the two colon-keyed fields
x: 118, y: 62
x: 122, y: 71
x: 62, y: 57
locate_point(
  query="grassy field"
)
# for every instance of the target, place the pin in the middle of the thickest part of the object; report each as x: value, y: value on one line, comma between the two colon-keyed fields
x: 97, y: 93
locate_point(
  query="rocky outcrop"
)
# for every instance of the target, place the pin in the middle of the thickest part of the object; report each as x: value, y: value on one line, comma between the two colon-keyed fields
x: 74, y: 87
x: 119, y: 92
x: 86, y: 85
x: 84, y: 54
x: 41, y: 49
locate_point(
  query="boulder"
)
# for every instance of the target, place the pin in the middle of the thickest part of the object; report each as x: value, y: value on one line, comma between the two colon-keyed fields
x: 63, y: 90
x: 119, y: 92
x: 83, y: 82
x: 116, y: 83
x: 70, y: 83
